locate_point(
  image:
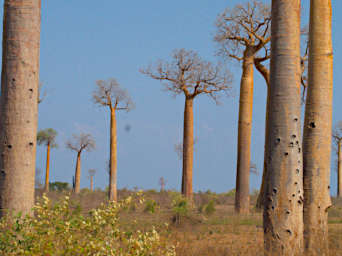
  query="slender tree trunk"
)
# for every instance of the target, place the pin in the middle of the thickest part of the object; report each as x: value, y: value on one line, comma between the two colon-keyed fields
x: 265, y: 73
x: 78, y: 173
x: 19, y: 90
x: 91, y: 183
x: 47, y: 172
x: 188, y: 147
x: 283, y: 208
x: 244, y: 134
x: 339, y: 171
x: 113, y: 157
x: 317, y: 130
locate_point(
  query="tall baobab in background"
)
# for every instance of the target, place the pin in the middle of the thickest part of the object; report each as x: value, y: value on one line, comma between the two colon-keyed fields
x: 47, y: 137
x: 337, y: 138
x: 283, y: 207
x: 317, y: 130
x: 109, y: 94
x: 19, y: 108
x: 80, y: 143
x: 243, y: 33
x: 188, y: 74
x: 91, y: 173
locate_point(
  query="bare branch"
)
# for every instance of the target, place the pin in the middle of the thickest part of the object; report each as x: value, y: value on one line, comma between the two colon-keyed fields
x: 337, y: 133
x: 83, y: 141
x: 41, y: 96
x: 187, y: 73
x: 109, y: 93
x: 245, y: 26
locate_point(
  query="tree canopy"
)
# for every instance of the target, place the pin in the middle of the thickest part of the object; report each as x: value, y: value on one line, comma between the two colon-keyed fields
x: 47, y: 136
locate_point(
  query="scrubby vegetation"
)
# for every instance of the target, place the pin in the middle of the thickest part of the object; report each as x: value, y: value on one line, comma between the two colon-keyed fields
x: 62, y: 229
x: 152, y: 224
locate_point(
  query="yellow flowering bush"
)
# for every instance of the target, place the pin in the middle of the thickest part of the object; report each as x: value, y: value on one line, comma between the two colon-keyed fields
x: 61, y: 230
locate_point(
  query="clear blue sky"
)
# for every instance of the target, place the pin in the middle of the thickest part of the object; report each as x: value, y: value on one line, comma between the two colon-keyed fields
x: 86, y: 40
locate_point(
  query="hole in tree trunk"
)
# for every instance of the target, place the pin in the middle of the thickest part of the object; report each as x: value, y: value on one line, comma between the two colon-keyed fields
x: 312, y: 125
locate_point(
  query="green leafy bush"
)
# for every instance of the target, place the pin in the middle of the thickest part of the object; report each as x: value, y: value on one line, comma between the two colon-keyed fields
x: 151, y: 206
x: 180, y: 208
x: 208, y: 208
x: 59, y: 230
x: 59, y: 186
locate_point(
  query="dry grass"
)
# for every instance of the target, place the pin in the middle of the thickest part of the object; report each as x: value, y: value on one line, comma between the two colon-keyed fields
x: 221, y: 233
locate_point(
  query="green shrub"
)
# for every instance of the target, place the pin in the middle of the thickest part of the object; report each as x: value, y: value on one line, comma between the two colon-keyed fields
x: 180, y: 208
x: 208, y: 208
x: 151, y: 206
x: 59, y: 186
x: 59, y: 230
x: 231, y: 192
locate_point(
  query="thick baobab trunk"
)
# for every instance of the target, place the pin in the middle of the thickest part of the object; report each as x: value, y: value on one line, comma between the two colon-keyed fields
x: 78, y: 173
x: 283, y: 207
x: 47, y: 171
x: 317, y: 130
x: 244, y: 134
x: 339, y: 171
x: 188, y: 148
x: 91, y: 183
x: 265, y: 73
x: 113, y: 157
x: 19, y: 92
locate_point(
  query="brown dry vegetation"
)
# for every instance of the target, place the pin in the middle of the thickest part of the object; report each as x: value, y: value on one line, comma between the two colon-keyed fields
x: 220, y: 233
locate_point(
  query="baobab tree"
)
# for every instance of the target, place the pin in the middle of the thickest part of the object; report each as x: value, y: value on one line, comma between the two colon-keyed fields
x: 178, y: 148
x: 191, y: 76
x: 162, y: 183
x: 109, y: 94
x: 80, y: 143
x: 48, y: 138
x: 283, y: 207
x: 317, y: 130
x: 91, y: 173
x: 243, y: 33
x: 263, y: 69
x: 19, y: 107
x: 337, y: 139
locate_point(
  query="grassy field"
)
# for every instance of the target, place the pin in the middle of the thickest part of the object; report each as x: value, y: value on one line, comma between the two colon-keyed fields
x: 207, y: 228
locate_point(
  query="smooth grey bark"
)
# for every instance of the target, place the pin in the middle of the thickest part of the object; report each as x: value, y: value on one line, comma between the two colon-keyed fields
x: 317, y: 130
x: 283, y: 208
x: 19, y: 106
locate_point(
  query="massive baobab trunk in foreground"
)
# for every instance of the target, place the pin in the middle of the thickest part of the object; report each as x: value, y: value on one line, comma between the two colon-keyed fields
x: 19, y: 107
x: 283, y: 208
x: 317, y: 130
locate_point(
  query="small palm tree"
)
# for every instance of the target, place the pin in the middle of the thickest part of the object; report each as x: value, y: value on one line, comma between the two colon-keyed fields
x: 47, y: 137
